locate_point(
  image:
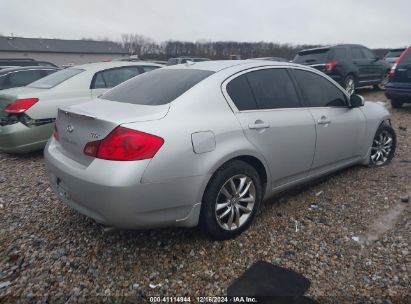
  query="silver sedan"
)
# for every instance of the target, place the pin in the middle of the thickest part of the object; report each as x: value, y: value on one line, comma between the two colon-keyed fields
x: 204, y: 143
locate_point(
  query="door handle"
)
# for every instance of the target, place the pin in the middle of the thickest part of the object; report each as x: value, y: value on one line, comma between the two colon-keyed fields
x: 258, y: 125
x: 323, y: 121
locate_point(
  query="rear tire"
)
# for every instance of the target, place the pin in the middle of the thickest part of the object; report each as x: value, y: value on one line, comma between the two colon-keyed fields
x: 349, y: 84
x: 396, y: 103
x: 383, y: 146
x: 231, y: 200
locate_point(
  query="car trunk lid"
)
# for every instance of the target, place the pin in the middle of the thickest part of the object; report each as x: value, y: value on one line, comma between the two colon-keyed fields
x: 79, y: 124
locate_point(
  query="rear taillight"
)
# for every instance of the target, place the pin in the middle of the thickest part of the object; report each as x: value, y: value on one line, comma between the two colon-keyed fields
x: 20, y: 105
x: 124, y: 144
x: 397, y: 62
x: 329, y: 66
x: 56, y: 133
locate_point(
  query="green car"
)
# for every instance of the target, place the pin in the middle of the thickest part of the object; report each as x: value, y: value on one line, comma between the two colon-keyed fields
x: 27, y: 114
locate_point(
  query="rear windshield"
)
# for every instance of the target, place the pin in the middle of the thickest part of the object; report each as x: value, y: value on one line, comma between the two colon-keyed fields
x: 312, y: 56
x: 55, y: 78
x: 394, y: 53
x: 157, y: 87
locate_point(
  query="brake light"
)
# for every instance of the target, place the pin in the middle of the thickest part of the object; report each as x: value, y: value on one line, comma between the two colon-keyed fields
x: 20, y: 105
x: 329, y: 66
x: 124, y: 144
x: 56, y: 133
x: 397, y: 62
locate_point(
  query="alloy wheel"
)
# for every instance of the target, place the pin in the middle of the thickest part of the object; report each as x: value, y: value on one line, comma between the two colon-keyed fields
x: 381, y: 148
x: 235, y: 202
x: 350, y: 86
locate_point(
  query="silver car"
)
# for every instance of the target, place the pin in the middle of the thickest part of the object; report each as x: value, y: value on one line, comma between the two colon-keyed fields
x: 204, y: 143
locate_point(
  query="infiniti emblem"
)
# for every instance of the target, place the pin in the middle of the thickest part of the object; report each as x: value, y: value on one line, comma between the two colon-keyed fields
x: 70, y: 128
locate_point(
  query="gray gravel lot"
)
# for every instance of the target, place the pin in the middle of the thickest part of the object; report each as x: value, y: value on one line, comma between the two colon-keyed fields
x: 49, y: 252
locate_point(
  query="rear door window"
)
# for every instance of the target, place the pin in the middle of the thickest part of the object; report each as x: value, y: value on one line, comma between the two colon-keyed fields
x: 158, y: 87
x: 240, y: 93
x: 318, y: 91
x: 273, y: 89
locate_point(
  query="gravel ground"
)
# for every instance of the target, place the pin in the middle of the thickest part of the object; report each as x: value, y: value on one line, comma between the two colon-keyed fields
x: 49, y: 252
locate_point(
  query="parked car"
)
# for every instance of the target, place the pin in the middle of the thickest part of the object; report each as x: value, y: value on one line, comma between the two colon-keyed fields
x: 392, y: 56
x: 179, y: 60
x: 209, y: 144
x: 24, y: 62
x: 398, y: 89
x: 271, y: 59
x: 22, y: 76
x: 28, y: 114
x: 351, y: 65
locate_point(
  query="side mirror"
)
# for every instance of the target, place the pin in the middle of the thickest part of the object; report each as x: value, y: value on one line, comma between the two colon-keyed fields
x: 377, y: 58
x: 356, y: 101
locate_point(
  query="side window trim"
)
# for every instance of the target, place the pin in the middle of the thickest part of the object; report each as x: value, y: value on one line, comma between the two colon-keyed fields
x: 230, y: 78
x: 319, y: 74
x: 93, y: 80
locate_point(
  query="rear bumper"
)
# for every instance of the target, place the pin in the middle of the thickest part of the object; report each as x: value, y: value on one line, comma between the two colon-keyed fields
x: 398, y: 91
x: 111, y: 192
x: 18, y: 138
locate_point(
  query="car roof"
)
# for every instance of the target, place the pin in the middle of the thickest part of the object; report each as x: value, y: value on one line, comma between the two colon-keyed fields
x: 36, y: 67
x: 398, y: 49
x: 97, y: 66
x: 218, y: 65
x: 324, y: 48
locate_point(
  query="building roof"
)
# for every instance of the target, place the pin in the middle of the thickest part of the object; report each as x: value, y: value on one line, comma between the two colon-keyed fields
x: 18, y: 44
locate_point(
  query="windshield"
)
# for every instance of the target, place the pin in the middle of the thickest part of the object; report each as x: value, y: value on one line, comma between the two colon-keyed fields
x: 312, y: 56
x: 157, y: 87
x: 54, y: 79
x: 394, y: 54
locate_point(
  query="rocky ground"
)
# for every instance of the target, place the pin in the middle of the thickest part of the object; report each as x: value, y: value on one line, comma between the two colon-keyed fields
x: 354, y: 247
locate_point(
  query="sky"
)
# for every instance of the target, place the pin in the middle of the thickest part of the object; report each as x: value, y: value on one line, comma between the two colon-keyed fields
x: 374, y: 23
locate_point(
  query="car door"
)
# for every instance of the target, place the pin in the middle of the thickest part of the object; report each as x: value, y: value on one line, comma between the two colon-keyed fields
x: 107, y: 79
x: 340, y: 129
x: 268, y: 108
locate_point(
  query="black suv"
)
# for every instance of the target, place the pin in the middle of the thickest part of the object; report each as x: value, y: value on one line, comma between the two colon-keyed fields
x: 351, y: 65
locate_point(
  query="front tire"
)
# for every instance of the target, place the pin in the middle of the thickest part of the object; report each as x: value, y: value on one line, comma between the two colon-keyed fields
x: 383, y: 146
x: 349, y: 84
x: 230, y: 200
